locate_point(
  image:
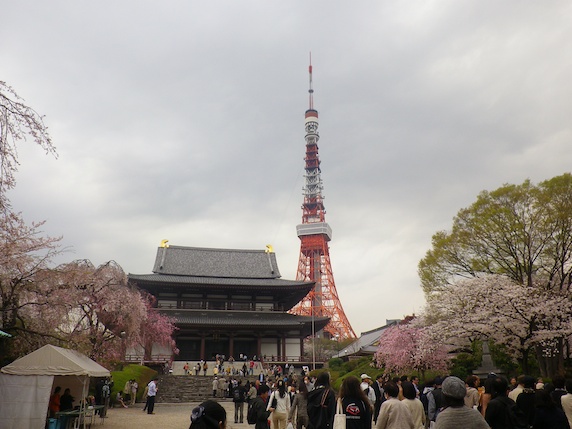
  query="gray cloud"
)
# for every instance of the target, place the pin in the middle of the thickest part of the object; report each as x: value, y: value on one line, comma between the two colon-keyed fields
x: 185, y: 121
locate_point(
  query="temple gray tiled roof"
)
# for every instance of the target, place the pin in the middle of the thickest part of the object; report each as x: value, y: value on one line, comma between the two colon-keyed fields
x: 224, y: 263
x: 215, y: 281
x: 241, y: 318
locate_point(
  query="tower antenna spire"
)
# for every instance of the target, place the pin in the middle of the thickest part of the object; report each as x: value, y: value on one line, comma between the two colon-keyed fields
x: 314, y: 234
x: 311, y: 90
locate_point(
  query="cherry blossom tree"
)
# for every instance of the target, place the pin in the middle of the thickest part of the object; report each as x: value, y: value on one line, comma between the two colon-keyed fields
x: 156, y: 328
x: 524, y: 234
x: 25, y: 256
x: 407, y: 347
x: 105, y: 316
x: 17, y: 122
x: 76, y: 304
x: 524, y: 319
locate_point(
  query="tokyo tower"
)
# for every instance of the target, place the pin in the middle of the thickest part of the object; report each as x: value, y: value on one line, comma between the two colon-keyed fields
x: 314, y: 233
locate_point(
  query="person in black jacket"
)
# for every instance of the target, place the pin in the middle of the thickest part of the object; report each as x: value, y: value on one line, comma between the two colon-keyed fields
x: 379, y: 395
x: 321, y: 404
x: 526, y: 399
x: 208, y: 415
x: 548, y: 415
x: 355, y: 404
x: 238, y: 397
x: 258, y: 406
x: 502, y: 412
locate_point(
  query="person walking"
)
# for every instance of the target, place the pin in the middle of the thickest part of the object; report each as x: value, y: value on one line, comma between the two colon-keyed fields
x: 414, y: 404
x: 368, y: 390
x: 502, y: 411
x: 215, y: 386
x: 321, y: 403
x: 279, y: 405
x: 299, y: 409
x: 238, y: 397
x: 456, y: 414
x: 259, y: 408
x: 355, y: 404
x: 145, y: 395
x: 472, y: 397
x: 394, y: 414
x: 377, y: 387
x: 547, y: 414
x: 151, y: 394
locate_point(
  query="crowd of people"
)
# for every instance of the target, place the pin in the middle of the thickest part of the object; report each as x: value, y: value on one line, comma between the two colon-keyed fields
x: 245, y: 366
x: 304, y: 402
x: 402, y: 403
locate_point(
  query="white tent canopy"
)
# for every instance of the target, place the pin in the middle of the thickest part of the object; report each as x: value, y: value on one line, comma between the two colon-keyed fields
x: 26, y: 384
x: 52, y: 360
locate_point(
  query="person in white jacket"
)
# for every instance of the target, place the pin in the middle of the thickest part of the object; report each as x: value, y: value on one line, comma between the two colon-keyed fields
x: 368, y: 390
x: 279, y: 405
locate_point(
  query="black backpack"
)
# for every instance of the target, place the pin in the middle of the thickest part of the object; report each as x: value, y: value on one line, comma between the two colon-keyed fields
x: 236, y: 394
x: 252, y: 413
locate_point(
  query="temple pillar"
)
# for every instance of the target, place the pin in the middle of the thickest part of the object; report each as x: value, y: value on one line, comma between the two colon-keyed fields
x: 259, y: 347
x: 231, y: 345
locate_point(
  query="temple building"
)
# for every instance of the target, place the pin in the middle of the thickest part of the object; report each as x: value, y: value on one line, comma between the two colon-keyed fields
x: 229, y: 302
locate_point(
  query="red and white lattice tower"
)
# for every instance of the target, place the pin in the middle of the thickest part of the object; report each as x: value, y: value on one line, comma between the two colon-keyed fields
x: 314, y: 233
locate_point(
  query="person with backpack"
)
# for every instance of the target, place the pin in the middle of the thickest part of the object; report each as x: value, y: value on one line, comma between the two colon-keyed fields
x: 427, y: 387
x: 257, y: 414
x: 435, y: 400
x: 238, y: 397
x: 321, y: 404
x: 502, y: 412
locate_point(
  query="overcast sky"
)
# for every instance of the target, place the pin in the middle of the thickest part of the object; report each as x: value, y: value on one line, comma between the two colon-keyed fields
x: 184, y: 120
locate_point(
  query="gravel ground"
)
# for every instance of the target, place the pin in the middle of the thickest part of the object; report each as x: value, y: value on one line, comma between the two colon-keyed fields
x: 167, y: 416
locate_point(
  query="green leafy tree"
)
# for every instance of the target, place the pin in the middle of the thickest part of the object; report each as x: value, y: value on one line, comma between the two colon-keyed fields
x: 521, y: 232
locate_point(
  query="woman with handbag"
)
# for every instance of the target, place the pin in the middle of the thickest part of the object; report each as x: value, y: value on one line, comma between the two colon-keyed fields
x: 279, y: 405
x: 354, y: 404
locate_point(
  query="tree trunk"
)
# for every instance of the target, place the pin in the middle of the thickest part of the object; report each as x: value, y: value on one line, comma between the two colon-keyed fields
x: 524, y: 361
x: 551, y: 362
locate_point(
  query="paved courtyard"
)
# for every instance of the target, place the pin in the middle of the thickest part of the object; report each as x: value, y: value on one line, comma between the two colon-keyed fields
x: 167, y: 416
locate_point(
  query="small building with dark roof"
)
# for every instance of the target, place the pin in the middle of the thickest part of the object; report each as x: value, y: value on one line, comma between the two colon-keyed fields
x: 229, y: 302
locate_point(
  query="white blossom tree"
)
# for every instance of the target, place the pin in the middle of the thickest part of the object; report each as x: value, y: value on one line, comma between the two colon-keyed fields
x: 522, y: 318
x: 524, y: 234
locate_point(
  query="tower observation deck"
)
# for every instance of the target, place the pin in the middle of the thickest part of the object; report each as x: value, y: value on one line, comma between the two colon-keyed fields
x: 314, y: 232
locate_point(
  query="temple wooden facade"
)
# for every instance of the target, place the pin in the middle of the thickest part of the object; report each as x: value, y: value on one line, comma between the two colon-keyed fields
x: 229, y: 302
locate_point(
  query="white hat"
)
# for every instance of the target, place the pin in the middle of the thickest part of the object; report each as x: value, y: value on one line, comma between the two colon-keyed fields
x: 364, y: 376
